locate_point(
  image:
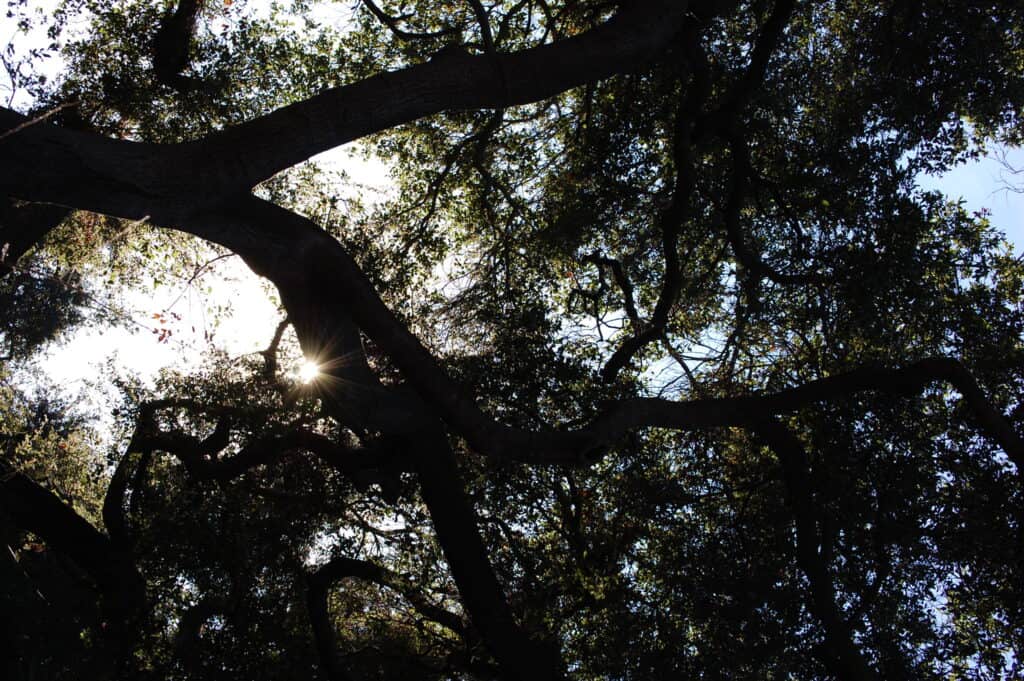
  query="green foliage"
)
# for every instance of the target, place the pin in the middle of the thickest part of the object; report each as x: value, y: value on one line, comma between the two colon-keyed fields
x: 675, y: 555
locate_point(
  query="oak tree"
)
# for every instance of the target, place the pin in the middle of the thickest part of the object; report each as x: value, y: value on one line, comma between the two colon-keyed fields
x: 656, y: 362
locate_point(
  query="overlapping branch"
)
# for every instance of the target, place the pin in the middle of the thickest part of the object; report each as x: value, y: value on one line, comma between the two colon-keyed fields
x: 520, y: 656
x: 441, y: 395
x: 23, y: 227
x: 747, y: 410
x: 202, y: 460
x: 135, y: 180
x: 739, y: 186
x: 489, y: 81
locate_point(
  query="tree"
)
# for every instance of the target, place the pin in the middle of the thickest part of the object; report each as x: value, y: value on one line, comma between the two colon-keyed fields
x: 656, y: 365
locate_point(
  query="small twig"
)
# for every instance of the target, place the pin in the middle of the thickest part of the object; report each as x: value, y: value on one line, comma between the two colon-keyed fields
x: 195, y: 275
x: 39, y: 119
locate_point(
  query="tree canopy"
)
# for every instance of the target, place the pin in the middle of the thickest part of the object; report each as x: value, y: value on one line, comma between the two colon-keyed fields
x: 656, y: 362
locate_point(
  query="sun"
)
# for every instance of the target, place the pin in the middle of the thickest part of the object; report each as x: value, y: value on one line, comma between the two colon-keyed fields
x: 309, y: 371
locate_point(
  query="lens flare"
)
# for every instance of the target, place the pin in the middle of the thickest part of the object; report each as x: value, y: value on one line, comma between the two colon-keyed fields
x: 309, y: 371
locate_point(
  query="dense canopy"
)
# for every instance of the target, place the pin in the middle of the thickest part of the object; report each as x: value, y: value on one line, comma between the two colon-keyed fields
x: 655, y: 362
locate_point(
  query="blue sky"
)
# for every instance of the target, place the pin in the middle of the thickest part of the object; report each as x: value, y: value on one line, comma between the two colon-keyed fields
x: 984, y: 184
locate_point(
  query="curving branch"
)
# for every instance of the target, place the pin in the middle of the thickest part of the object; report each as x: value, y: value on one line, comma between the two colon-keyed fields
x: 745, y: 254
x: 672, y: 219
x: 320, y: 582
x: 455, y: 522
x: 24, y: 226
x: 341, y: 568
x: 200, y: 461
x: 114, y: 501
x: 270, y: 353
x: 325, y: 265
x: 317, y: 585
x: 190, y: 626
x: 135, y: 180
x: 749, y: 410
x: 723, y: 117
x: 485, y: 25
x: 457, y: 82
x: 624, y: 284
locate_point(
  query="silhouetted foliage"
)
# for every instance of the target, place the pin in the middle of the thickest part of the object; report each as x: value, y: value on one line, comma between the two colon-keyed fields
x: 654, y: 362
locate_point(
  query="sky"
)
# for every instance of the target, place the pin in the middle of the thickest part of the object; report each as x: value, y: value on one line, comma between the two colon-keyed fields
x: 986, y: 184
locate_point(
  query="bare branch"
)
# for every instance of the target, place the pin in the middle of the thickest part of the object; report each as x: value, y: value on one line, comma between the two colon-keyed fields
x: 270, y: 353
x: 35, y: 120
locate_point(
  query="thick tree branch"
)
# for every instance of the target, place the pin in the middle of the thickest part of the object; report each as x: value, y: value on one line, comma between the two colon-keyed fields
x: 842, y: 656
x: 337, y: 116
x: 23, y: 227
x: 747, y: 410
x: 317, y: 585
x: 324, y: 291
x: 742, y: 92
x: 520, y: 657
x: 135, y: 180
x: 325, y: 266
x: 485, y: 25
x: 270, y: 354
x: 33, y: 508
x: 341, y: 568
x: 114, y: 509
